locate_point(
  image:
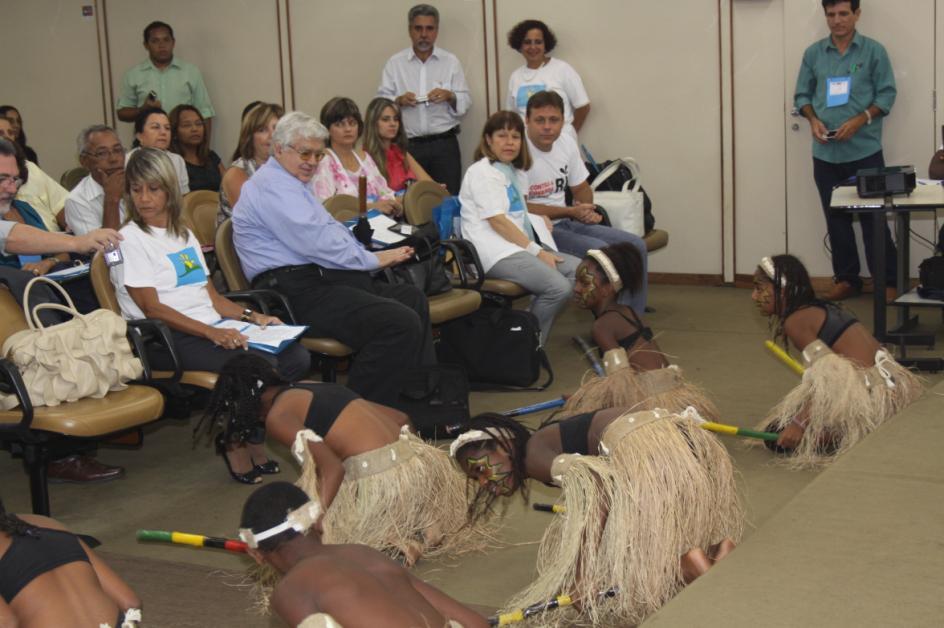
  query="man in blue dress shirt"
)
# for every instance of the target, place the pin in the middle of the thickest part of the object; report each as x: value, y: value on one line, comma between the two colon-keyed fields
x: 288, y: 242
x: 844, y: 89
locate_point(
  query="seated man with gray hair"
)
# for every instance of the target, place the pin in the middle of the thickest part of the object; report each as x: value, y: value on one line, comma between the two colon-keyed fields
x: 96, y: 200
x: 287, y: 242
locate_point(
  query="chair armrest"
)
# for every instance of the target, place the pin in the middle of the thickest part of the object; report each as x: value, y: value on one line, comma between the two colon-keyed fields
x: 465, y: 255
x: 11, y: 382
x: 137, y: 343
x: 153, y: 330
x: 264, y: 299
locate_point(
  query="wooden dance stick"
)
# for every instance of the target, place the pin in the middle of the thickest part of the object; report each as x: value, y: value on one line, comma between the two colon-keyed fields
x: 522, y: 614
x: 588, y: 353
x: 537, y: 407
x: 195, y: 540
x: 733, y: 430
x: 784, y: 357
x: 555, y: 508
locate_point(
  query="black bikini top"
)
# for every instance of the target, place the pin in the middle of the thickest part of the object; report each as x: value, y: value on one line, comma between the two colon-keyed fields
x: 641, y: 330
x: 30, y: 556
x: 574, y: 433
x: 837, y: 321
x: 328, y: 400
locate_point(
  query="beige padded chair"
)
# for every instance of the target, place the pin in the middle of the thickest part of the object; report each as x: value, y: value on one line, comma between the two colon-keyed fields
x: 656, y: 239
x: 199, y: 212
x: 328, y: 349
x: 38, y: 434
x: 108, y: 299
x: 71, y: 177
x: 342, y: 206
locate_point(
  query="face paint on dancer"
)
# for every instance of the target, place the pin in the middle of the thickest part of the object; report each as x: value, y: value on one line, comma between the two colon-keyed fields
x: 487, y: 469
x: 763, y: 293
x: 585, y: 288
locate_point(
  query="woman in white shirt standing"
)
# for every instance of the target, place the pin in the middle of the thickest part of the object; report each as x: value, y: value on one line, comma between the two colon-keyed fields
x: 163, y: 276
x: 534, y: 40
x: 152, y: 130
x: 510, y: 244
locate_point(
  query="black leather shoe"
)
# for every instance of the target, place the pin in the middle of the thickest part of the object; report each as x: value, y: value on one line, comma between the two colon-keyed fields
x: 81, y: 470
x: 250, y: 477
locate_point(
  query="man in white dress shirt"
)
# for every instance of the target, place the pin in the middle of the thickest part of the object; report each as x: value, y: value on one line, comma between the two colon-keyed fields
x: 96, y: 200
x: 428, y: 84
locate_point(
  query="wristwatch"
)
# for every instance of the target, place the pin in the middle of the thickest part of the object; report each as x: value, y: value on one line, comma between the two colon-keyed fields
x: 246, y: 316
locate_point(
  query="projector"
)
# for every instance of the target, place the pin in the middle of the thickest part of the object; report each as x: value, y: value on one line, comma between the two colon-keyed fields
x: 885, y: 181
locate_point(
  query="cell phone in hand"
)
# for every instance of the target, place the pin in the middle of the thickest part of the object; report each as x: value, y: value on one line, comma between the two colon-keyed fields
x: 113, y: 256
x: 831, y: 134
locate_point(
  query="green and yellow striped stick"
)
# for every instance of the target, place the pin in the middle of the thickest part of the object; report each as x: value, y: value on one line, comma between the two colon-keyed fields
x: 521, y: 614
x: 784, y: 357
x: 195, y: 540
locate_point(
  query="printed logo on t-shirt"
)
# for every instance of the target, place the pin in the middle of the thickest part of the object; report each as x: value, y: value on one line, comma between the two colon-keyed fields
x: 187, y: 266
x: 525, y: 92
x: 545, y: 189
x: 516, y: 204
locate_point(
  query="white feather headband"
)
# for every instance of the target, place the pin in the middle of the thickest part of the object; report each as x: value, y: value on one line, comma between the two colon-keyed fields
x: 608, y: 268
x: 299, y: 520
x: 477, y: 436
x: 767, y: 265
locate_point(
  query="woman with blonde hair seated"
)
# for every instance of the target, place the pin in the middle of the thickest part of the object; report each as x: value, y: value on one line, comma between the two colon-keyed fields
x: 163, y: 276
x: 385, y: 142
x: 252, y: 150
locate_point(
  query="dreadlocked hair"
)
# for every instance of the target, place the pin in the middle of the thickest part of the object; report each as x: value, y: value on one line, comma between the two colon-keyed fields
x: 236, y: 400
x: 13, y: 525
x: 796, y: 293
x: 628, y: 263
x: 482, y: 500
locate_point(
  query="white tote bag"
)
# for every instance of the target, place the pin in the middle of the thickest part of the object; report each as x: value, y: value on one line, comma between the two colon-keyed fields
x: 625, y: 207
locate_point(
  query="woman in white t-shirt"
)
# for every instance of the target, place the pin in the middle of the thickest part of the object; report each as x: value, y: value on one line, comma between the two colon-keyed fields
x: 163, y: 276
x: 511, y: 244
x: 534, y: 40
x: 152, y: 130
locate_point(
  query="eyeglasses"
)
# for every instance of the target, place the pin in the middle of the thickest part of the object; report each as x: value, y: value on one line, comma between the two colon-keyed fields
x: 17, y: 181
x: 308, y: 155
x: 190, y: 125
x: 117, y: 151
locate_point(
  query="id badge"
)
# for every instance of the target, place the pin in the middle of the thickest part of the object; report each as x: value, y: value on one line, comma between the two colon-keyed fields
x: 837, y: 90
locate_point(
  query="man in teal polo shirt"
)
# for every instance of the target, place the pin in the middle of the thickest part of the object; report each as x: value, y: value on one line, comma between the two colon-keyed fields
x: 162, y: 80
x: 845, y: 88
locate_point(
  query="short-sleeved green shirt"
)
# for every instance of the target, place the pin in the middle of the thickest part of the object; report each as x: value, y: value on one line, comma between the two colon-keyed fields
x: 873, y: 83
x: 180, y: 83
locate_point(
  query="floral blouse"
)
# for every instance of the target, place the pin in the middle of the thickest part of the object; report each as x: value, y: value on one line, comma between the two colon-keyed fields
x: 332, y: 178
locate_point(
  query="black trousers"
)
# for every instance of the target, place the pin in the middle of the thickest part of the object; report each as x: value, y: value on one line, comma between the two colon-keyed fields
x: 839, y: 224
x: 386, y: 324
x: 440, y: 159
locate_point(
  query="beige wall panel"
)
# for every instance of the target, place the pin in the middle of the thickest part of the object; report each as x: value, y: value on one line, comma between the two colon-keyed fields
x: 909, y: 135
x: 52, y: 75
x: 234, y: 43
x: 651, y: 70
x: 339, y: 49
x: 760, y: 218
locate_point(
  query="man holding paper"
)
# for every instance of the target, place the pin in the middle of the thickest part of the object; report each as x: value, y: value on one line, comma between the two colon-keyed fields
x: 288, y: 242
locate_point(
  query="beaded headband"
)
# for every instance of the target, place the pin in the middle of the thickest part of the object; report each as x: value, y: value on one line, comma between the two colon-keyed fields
x: 477, y: 436
x: 767, y: 265
x: 608, y: 268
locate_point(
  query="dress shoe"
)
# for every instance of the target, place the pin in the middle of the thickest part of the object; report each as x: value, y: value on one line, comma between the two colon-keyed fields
x: 890, y: 294
x: 82, y: 469
x: 841, y: 290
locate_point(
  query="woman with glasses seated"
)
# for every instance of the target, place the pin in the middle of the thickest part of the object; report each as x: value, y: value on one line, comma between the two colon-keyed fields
x: 190, y: 141
x: 163, y: 276
x: 252, y: 150
x: 344, y: 163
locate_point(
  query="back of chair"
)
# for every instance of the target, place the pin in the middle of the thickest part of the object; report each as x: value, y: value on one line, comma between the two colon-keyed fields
x: 199, y: 212
x: 420, y: 199
x: 227, y: 258
x: 342, y: 206
x: 70, y: 178
x: 101, y: 284
x: 11, y: 315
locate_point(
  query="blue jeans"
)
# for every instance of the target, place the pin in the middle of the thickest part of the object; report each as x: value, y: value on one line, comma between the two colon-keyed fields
x: 552, y: 289
x: 839, y: 224
x: 576, y: 238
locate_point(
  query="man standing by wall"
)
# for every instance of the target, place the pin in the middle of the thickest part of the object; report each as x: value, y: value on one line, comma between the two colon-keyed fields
x: 429, y: 86
x: 162, y: 80
x: 844, y: 89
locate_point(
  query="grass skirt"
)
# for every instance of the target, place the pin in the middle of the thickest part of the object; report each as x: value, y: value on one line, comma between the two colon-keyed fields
x: 844, y: 403
x: 661, y: 487
x: 404, y: 498
x: 641, y: 390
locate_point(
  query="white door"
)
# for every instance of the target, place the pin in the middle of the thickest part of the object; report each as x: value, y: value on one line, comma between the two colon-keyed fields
x: 906, y: 29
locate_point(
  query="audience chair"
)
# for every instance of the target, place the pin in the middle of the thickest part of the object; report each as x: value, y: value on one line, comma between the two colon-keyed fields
x: 656, y: 239
x: 151, y: 330
x: 342, y: 207
x: 199, y: 212
x: 40, y: 434
x: 420, y: 200
x: 70, y: 178
x: 329, y: 350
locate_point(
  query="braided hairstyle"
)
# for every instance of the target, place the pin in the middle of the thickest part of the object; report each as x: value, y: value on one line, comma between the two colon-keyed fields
x: 236, y: 400
x: 482, y: 501
x: 796, y: 293
x: 628, y: 263
x: 13, y: 525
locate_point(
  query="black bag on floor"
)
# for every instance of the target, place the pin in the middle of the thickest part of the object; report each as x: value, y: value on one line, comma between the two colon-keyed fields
x: 499, y: 348
x: 436, y: 398
x: 426, y: 272
x: 931, y: 276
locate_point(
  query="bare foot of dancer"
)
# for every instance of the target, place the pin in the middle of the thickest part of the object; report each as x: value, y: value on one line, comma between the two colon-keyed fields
x: 721, y: 550
x: 411, y: 551
x: 433, y: 535
x: 694, y: 563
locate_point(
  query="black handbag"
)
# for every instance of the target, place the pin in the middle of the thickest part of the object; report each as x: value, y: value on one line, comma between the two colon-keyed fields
x: 436, y: 398
x: 931, y: 276
x: 499, y: 348
x: 426, y: 271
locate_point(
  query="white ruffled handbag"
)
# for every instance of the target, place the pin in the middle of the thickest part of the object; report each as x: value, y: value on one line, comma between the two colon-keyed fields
x: 87, y: 356
x: 625, y: 206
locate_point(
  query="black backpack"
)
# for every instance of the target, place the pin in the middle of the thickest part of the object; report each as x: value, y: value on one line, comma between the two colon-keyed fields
x: 931, y: 276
